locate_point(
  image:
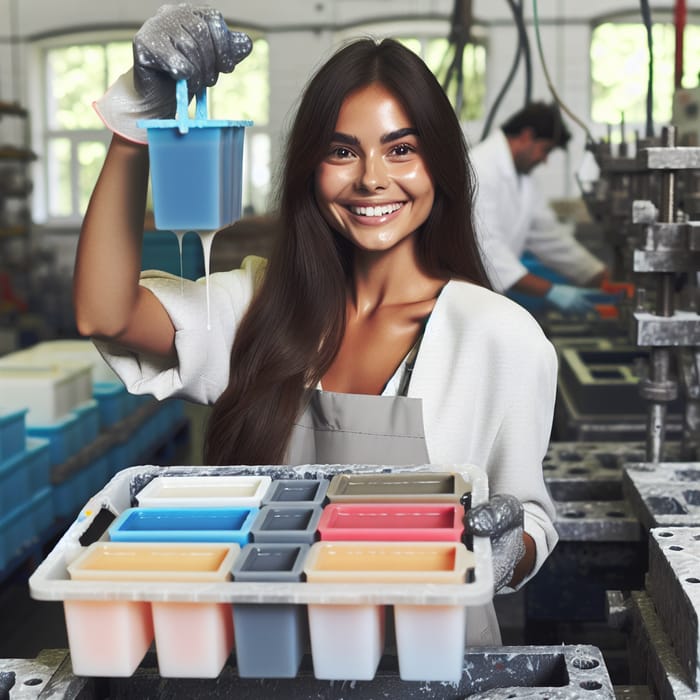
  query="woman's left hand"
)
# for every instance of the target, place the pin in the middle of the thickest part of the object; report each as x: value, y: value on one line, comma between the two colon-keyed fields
x: 500, y: 519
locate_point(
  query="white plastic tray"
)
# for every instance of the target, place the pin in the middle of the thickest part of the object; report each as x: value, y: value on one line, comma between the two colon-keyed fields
x: 51, y: 580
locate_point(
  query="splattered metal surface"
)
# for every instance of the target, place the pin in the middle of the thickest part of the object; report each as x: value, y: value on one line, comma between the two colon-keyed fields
x: 553, y: 672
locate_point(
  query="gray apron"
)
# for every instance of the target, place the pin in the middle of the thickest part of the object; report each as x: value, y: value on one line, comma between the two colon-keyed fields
x: 359, y: 429
x: 367, y: 429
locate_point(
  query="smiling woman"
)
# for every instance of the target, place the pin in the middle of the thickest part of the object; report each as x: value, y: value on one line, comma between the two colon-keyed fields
x: 371, y: 336
x: 373, y: 186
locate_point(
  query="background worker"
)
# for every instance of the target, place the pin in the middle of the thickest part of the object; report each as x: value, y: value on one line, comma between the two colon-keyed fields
x: 512, y: 217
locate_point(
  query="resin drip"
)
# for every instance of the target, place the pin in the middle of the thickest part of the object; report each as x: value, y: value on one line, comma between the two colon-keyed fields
x: 180, y: 235
x: 207, y: 237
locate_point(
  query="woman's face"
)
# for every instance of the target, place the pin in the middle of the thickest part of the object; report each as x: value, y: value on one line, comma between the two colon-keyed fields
x: 373, y: 186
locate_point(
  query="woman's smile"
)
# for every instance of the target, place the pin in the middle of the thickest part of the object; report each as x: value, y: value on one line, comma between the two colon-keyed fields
x: 373, y: 187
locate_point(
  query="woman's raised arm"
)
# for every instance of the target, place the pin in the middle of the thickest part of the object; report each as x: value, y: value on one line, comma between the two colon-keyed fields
x: 109, y: 303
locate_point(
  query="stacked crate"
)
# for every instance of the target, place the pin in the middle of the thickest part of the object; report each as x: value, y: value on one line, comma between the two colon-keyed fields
x: 68, y: 425
x: 26, y: 507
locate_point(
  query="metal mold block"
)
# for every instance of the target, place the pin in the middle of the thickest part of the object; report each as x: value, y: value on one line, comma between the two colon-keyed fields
x: 584, y: 342
x: 570, y: 423
x: 653, y: 660
x: 49, y: 675
x: 588, y: 471
x: 663, y: 494
x: 683, y: 328
x: 597, y: 521
x: 496, y: 673
x: 555, y: 672
x: 673, y: 584
x: 556, y: 325
x: 604, y: 381
x: 573, y: 581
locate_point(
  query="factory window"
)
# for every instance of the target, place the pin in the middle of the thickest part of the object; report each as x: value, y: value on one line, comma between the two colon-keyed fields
x: 75, y: 140
x: 619, y: 70
x: 428, y: 38
x: 438, y: 54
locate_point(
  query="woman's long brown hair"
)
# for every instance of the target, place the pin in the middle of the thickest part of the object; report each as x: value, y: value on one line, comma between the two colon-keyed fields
x: 295, y: 323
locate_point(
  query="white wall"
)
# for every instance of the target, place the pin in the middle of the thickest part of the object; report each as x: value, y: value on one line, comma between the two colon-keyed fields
x: 302, y: 32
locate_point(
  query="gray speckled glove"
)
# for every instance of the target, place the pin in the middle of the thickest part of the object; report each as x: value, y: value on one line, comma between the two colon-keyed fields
x: 501, y: 519
x: 178, y: 42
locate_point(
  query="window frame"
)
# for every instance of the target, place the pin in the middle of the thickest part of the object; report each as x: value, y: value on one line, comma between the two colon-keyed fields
x: 423, y: 31
x: 627, y: 17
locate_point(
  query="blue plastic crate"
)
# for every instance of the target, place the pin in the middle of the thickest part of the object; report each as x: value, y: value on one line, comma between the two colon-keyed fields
x: 14, y: 483
x: 70, y: 495
x: 38, y: 463
x: 17, y: 533
x: 75, y: 481
x: 160, y: 251
x: 124, y: 453
x: 136, y: 401
x: 42, y: 511
x: 65, y: 437
x: 24, y: 474
x: 88, y: 414
x: 98, y: 472
x: 12, y: 432
x: 113, y: 400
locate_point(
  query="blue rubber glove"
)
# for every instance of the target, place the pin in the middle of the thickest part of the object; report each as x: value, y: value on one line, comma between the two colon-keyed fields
x: 500, y: 519
x: 578, y: 300
x: 178, y: 42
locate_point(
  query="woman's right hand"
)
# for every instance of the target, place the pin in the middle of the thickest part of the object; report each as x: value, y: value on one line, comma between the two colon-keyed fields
x: 178, y: 42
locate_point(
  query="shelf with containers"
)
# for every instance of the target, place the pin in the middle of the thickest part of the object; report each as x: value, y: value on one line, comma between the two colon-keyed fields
x: 15, y: 213
x: 66, y: 426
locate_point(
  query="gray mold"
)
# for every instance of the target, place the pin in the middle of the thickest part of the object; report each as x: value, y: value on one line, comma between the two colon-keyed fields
x: 653, y: 655
x: 591, y: 471
x: 673, y: 584
x: 554, y: 672
x: 664, y: 494
x: 573, y: 423
x: 597, y: 521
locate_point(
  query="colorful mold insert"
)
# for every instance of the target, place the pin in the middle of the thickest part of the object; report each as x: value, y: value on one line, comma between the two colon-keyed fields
x: 414, y: 487
x: 395, y: 522
x: 111, y: 637
x: 347, y: 641
x: 204, y: 491
x: 183, y: 525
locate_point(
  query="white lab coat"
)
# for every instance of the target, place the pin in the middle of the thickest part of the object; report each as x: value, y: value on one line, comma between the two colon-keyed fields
x: 511, y: 216
x: 486, y: 375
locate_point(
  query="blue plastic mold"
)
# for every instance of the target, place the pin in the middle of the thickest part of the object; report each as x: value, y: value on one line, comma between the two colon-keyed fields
x: 196, y: 167
x: 184, y: 525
